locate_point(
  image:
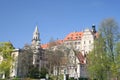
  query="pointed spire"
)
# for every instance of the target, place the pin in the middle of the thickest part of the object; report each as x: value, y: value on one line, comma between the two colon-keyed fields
x: 36, y: 39
x: 36, y: 29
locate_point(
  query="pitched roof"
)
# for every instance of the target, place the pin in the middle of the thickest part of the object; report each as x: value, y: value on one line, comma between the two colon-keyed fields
x: 74, y: 36
x: 81, y: 58
x: 44, y: 46
x: 58, y: 42
x: 70, y: 36
x: 36, y: 30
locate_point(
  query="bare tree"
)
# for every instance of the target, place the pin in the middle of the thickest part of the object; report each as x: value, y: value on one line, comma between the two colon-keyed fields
x: 25, y: 61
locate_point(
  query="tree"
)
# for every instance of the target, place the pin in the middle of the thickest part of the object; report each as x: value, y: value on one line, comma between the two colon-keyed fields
x: 110, y: 32
x: 56, y: 58
x: 97, y: 60
x: 43, y: 72
x: 25, y: 61
x: 102, y: 60
x: 6, y: 49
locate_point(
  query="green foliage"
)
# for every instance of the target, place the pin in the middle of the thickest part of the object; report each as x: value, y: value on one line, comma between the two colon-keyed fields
x: 34, y: 72
x: 43, y: 72
x: 104, y: 60
x: 59, y: 77
x: 84, y: 79
x: 71, y: 78
x: 6, y: 49
x: 98, y: 60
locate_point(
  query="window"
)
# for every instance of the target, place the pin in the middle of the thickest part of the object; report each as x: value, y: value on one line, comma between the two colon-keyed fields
x: 13, y: 55
x: 67, y: 43
x: 78, y: 42
x: 40, y: 57
x: 37, y: 65
x: 38, y: 60
x: 84, y: 42
x: 75, y: 43
x: 89, y: 41
x: 76, y: 47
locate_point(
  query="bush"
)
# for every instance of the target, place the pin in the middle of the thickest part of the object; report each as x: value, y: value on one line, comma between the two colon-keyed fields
x: 83, y: 78
x: 72, y: 78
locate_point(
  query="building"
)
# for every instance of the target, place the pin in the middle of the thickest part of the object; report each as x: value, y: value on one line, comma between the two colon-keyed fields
x: 38, y: 52
x: 77, y: 41
x: 14, y: 68
x: 82, y: 42
x: 30, y: 56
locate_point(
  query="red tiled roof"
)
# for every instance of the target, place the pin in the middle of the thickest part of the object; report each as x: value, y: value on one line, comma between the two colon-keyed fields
x: 58, y: 42
x: 81, y: 58
x: 44, y: 46
x: 74, y: 36
x: 70, y: 36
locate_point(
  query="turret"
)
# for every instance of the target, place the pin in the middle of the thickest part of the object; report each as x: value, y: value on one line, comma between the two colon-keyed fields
x: 36, y: 39
x: 93, y: 28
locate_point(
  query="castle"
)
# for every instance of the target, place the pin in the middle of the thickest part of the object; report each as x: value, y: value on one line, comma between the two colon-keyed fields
x: 81, y: 41
x: 78, y: 41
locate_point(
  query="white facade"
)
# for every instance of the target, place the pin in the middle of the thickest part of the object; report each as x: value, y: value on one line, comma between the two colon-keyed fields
x: 76, y: 44
x: 37, y: 56
x: 38, y: 52
x: 14, y: 68
x: 74, y: 68
x: 87, y: 41
x: 84, y: 44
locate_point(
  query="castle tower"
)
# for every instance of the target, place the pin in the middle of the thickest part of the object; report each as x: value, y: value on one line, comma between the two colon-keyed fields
x: 35, y: 45
x: 36, y: 38
x: 93, y: 28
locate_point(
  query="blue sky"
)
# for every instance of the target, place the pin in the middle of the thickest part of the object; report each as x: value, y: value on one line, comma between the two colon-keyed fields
x: 54, y: 18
